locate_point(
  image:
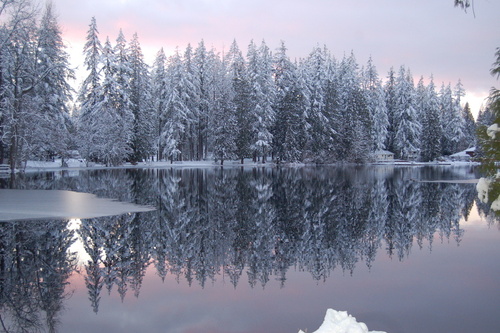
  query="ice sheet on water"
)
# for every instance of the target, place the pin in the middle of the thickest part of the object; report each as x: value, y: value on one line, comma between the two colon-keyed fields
x: 341, y: 322
x: 47, y: 204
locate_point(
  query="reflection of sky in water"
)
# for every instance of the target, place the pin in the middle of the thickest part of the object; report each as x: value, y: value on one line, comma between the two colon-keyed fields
x: 451, y: 288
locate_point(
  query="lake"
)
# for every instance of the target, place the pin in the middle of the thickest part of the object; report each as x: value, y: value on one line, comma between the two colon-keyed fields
x: 403, y: 249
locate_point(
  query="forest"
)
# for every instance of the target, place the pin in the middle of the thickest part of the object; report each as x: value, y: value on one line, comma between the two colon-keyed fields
x: 200, y: 104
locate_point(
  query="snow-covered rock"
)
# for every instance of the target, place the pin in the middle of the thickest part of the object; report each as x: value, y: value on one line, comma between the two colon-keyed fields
x: 341, y: 322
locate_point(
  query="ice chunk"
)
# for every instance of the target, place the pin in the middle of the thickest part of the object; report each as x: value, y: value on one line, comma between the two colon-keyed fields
x: 48, y: 204
x: 341, y: 322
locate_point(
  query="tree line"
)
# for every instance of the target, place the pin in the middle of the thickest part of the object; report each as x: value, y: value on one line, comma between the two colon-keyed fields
x: 199, y: 103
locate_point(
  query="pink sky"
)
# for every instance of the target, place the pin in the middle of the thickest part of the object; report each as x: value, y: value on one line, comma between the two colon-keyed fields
x: 427, y: 36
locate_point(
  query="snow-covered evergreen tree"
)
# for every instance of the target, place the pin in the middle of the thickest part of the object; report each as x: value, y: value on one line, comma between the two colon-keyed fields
x: 192, y: 102
x: 458, y: 94
x: 451, y: 120
x: 241, y: 101
x: 259, y: 71
x: 160, y: 90
x: 406, y: 118
x: 89, y: 94
x: 289, y: 131
x: 18, y: 81
x: 376, y: 103
x: 176, y: 110
x: 113, y: 119
x: 319, y: 144
x: 141, y: 104
x: 469, y: 139
x: 223, y: 122
x: 390, y: 102
x: 50, y: 129
x: 428, y: 103
x: 206, y: 64
x: 354, y: 138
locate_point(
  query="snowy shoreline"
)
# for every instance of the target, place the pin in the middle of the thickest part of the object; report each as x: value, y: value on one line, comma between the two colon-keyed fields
x: 76, y: 165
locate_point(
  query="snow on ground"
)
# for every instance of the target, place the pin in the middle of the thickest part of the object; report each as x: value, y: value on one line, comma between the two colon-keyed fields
x: 341, y: 322
x: 33, y: 166
x: 452, y: 181
x: 47, y: 204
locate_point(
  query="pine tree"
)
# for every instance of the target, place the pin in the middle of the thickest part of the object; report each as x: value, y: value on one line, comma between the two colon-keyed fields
x: 428, y: 104
x: 450, y: 119
x: 89, y: 94
x: 144, y: 128
x: 192, y: 102
x: 354, y: 139
x: 176, y: 110
x: 160, y: 98
x: 289, y: 130
x: 458, y: 94
x: 241, y: 101
x: 390, y: 102
x: 19, y: 78
x: 51, y: 125
x: 469, y: 139
x: 222, y: 125
x: 319, y: 143
x: 113, y: 119
x: 261, y: 92
x: 376, y: 103
x: 406, y: 119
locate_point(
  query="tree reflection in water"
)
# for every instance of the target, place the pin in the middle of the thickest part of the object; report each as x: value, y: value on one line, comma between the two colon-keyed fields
x: 257, y: 222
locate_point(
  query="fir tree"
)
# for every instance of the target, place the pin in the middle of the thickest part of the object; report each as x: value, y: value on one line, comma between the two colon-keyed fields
x: 144, y: 127
x: 241, y: 101
x: 89, y: 96
x: 354, y: 140
x: 450, y: 120
x: 261, y: 92
x: 319, y: 144
x: 289, y: 130
x: 376, y: 103
x: 51, y: 123
x: 469, y: 138
x: 160, y: 100
x: 176, y: 111
x: 223, y: 123
x: 390, y: 101
x: 406, y: 119
x: 431, y: 126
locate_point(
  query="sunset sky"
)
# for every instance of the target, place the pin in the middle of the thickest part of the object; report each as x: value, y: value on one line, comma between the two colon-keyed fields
x: 427, y: 36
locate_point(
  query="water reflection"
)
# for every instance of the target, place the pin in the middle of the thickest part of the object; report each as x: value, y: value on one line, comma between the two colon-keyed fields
x: 35, y: 265
x: 246, y: 225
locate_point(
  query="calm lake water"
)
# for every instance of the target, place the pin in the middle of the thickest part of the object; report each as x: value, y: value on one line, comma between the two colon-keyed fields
x: 257, y: 250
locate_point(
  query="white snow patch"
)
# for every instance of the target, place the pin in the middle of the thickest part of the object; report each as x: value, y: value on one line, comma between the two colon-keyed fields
x: 483, y: 187
x: 341, y: 322
x: 48, y: 204
x: 492, y: 130
x: 495, y: 205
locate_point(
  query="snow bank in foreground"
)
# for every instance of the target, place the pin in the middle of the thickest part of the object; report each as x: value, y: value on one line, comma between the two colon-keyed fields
x: 341, y: 322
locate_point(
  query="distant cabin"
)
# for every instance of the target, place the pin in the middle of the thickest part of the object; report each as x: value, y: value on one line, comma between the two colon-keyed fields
x: 465, y: 155
x: 383, y: 155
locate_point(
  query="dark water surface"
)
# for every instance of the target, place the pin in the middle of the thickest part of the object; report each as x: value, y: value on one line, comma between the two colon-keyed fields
x: 257, y: 250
